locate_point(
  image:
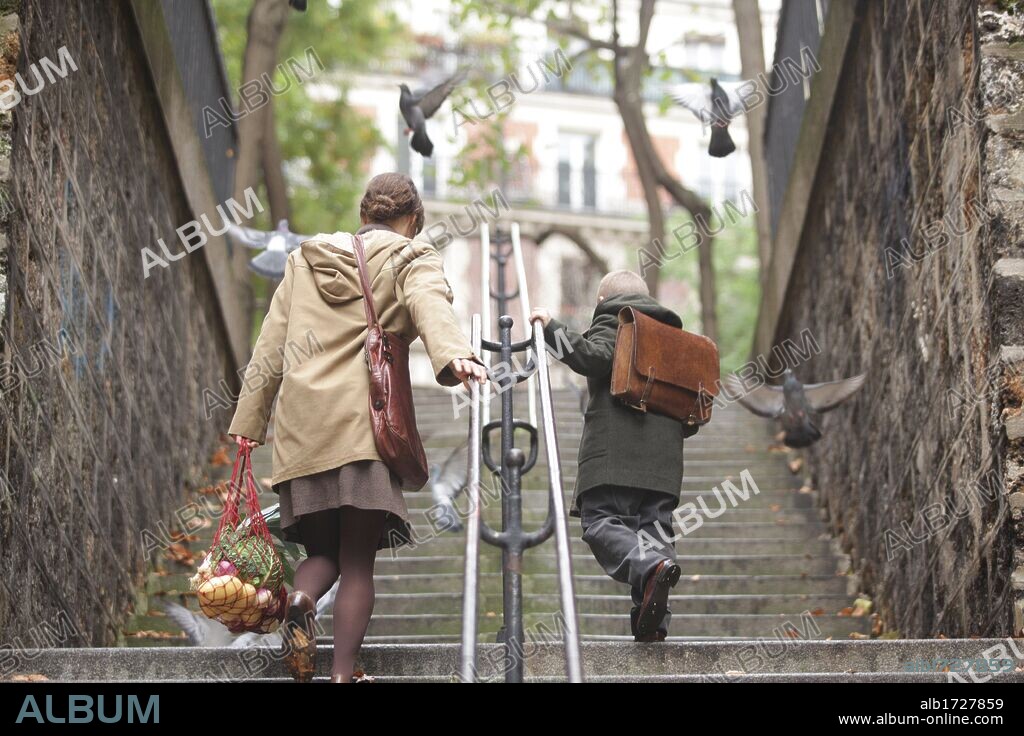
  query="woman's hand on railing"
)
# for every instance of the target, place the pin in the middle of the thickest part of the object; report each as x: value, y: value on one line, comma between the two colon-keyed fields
x: 468, y: 370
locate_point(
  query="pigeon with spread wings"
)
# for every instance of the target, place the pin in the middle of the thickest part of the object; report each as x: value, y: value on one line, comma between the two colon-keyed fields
x: 715, y: 105
x: 794, y: 404
x: 275, y: 244
x: 419, y: 106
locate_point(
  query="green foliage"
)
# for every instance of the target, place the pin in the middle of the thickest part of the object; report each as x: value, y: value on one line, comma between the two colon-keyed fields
x: 325, y: 144
x: 736, y: 279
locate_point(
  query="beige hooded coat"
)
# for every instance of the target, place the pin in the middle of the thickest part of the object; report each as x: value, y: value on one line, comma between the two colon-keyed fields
x: 310, y: 350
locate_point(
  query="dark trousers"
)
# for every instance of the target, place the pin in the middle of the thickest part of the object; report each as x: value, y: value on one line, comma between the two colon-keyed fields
x: 612, y: 518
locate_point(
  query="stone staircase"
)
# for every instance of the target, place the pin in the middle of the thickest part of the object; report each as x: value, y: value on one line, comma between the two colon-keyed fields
x: 766, y: 594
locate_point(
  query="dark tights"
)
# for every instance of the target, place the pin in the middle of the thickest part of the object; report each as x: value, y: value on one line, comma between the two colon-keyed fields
x: 342, y: 542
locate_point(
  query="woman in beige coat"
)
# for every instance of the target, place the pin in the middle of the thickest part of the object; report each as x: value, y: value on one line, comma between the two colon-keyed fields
x: 337, y: 497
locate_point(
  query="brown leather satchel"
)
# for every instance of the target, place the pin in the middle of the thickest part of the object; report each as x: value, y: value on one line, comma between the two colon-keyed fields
x: 391, y: 408
x: 664, y: 369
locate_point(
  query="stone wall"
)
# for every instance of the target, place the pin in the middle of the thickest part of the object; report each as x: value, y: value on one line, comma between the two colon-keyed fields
x: 101, y: 416
x: 908, y: 268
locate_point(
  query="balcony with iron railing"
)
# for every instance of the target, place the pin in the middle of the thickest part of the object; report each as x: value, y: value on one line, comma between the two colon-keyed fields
x: 559, y: 187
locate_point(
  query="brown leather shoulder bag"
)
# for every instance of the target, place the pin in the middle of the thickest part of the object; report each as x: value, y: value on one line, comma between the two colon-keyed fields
x: 392, y: 413
x: 664, y: 369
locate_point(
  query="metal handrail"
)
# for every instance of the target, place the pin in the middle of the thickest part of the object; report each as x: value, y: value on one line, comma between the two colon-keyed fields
x: 573, y: 663
x: 524, y: 309
x: 512, y: 539
x: 485, y: 310
x: 471, y: 576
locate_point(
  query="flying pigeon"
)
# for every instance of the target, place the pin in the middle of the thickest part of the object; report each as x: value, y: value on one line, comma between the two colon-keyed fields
x: 715, y: 105
x: 299, y: 5
x: 795, y: 405
x: 446, y: 482
x: 276, y: 245
x: 205, y: 632
x: 418, y: 107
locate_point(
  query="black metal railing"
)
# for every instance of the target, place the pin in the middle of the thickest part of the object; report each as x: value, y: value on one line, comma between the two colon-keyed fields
x: 508, y: 467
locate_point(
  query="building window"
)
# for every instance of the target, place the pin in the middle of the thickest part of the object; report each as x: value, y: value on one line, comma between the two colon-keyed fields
x: 706, y: 53
x: 577, y: 171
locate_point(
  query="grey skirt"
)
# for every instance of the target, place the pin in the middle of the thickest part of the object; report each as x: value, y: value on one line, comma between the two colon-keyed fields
x: 365, y: 484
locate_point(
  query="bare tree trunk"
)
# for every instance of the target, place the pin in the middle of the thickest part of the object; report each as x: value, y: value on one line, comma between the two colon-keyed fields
x: 273, y: 171
x: 630, y: 65
x: 751, y: 36
x: 633, y: 124
x: 265, y: 26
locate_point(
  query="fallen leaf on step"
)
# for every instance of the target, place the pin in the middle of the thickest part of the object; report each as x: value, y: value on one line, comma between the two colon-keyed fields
x: 220, y: 457
x: 858, y: 635
x: 179, y: 553
x: 34, y: 677
x: 775, y: 508
x: 818, y: 612
x: 776, y: 449
x: 157, y: 635
x: 941, y: 636
x: 490, y: 614
x: 862, y: 607
x: 695, y: 578
x: 795, y: 465
x: 848, y: 611
x: 735, y: 673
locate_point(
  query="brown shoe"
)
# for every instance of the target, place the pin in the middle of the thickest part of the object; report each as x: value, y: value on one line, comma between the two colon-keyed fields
x: 655, y: 602
x: 298, y: 634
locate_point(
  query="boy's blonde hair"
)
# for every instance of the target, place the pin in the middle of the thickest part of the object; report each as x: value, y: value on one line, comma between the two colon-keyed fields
x: 622, y: 282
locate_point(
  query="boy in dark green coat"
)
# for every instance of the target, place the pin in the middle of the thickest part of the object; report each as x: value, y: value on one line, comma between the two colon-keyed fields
x: 630, y: 462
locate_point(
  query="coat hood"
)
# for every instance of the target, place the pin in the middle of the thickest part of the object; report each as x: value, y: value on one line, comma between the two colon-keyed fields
x: 640, y: 302
x: 333, y: 261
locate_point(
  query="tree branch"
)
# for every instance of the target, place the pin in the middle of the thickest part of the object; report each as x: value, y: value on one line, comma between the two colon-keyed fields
x: 563, y: 26
x: 646, y: 17
x: 597, y: 260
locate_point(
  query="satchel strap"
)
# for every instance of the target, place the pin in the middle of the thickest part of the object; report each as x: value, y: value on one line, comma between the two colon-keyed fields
x: 364, y: 280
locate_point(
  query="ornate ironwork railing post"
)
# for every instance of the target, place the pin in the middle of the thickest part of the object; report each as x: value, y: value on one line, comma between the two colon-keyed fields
x: 509, y: 466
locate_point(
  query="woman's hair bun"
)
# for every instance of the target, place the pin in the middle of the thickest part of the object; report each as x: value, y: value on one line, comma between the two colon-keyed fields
x: 389, y: 197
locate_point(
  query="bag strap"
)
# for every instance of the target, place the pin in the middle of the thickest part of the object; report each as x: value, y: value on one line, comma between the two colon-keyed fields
x: 229, y: 516
x: 364, y: 280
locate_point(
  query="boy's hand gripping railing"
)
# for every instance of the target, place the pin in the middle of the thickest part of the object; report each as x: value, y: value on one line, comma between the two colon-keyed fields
x: 512, y: 539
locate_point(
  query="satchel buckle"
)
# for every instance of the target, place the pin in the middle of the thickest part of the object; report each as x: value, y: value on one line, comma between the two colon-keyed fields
x: 701, y: 393
x: 647, y: 388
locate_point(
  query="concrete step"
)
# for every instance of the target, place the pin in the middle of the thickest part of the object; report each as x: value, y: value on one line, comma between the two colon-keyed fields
x: 710, y: 504
x: 616, y: 624
x: 540, y: 562
x: 602, y: 584
x: 449, y: 544
x: 609, y: 603
x: 764, y: 659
